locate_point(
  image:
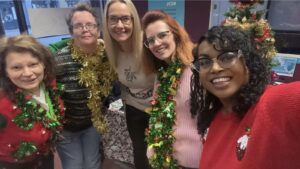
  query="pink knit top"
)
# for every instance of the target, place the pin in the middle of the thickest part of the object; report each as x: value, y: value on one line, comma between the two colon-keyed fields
x: 187, y: 146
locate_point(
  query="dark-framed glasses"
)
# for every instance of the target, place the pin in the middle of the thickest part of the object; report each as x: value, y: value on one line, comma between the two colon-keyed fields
x: 224, y: 60
x: 126, y: 20
x: 89, y: 26
x: 161, y: 36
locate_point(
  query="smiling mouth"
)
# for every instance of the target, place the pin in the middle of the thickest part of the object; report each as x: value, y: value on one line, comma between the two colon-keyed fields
x: 121, y: 32
x: 86, y: 37
x: 220, y: 80
x: 29, y: 81
x: 160, y: 50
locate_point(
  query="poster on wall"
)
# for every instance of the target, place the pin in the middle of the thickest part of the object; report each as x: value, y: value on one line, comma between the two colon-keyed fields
x: 175, y: 8
x: 286, y: 64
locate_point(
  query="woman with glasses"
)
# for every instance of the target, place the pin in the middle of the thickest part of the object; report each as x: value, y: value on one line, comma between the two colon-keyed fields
x: 173, y: 140
x: 123, y: 41
x: 83, y: 68
x: 244, y: 122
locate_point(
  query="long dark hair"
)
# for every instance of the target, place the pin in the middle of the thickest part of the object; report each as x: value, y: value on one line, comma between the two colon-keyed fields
x: 23, y: 44
x: 204, y: 104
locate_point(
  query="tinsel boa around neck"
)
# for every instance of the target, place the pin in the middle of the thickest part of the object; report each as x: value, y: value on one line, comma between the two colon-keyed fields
x: 97, y: 76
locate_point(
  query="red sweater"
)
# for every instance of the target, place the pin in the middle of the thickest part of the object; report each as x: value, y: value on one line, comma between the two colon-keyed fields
x: 273, y: 138
x: 12, y: 135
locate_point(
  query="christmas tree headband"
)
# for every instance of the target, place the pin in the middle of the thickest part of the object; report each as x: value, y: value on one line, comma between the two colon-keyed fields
x: 244, y: 17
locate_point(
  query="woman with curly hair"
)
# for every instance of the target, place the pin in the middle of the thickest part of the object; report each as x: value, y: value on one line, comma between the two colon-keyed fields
x: 244, y: 122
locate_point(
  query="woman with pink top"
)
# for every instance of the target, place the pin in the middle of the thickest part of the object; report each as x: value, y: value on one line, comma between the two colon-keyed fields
x: 173, y: 140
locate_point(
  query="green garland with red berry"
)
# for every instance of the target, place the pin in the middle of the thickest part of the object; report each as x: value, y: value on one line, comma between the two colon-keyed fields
x: 244, y: 16
x: 162, y: 118
x: 32, y: 112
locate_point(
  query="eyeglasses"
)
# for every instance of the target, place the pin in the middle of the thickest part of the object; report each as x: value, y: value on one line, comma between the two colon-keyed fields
x: 89, y: 26
x: 113, y: 20
x: 162, y: 36
x: 224, y: 60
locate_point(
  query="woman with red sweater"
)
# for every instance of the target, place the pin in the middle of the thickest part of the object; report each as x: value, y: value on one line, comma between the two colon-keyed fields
x: 245, y: 123
x: 30, y: 109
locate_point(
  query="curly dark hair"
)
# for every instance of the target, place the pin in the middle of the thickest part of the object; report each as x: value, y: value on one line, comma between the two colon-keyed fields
x: 204, y: 104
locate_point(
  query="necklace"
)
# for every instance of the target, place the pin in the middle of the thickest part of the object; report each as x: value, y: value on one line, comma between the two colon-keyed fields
x: 32, y: 112
x: 162, y: 118
x: 97, y: 76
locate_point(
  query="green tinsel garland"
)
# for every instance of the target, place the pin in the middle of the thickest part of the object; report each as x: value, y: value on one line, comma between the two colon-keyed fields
x: 25, y: 149
x: 162, y: 118
x: 97, y: 75
x: 31, y: 113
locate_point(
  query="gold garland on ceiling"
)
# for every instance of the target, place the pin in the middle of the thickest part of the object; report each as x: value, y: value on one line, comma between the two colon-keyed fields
x: 97, y: 75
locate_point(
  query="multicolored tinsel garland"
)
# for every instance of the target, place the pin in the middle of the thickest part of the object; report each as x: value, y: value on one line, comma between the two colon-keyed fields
x: 97, y: 75
x: 242, y: 15
x: 32, y: 112
x: 162, y: 118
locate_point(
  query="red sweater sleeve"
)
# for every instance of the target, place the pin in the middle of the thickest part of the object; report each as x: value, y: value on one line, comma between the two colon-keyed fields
x: 283, y: 103
x: 274, y: 136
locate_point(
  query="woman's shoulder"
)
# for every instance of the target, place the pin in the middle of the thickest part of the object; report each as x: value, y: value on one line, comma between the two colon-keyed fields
x: 3, y: 97
x: 282, y: 98
x: 5, y: 103
x: 283, y: 90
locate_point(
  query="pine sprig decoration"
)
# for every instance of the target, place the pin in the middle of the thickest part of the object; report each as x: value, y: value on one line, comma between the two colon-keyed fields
x: 162, y: 118
x: 243, y: 16
x: 32, y: 113
x: 25, y: 149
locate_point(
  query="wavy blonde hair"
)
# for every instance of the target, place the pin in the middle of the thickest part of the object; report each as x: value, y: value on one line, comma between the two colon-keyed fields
x: 112, y: 46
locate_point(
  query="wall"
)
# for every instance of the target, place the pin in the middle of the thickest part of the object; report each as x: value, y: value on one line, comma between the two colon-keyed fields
x: 197, y: 14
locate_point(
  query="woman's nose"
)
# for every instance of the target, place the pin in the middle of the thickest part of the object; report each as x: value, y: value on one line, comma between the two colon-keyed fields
x: 157, y: 42
x: 215, y: 67
x: 119, y: 23
x: 27, y: 71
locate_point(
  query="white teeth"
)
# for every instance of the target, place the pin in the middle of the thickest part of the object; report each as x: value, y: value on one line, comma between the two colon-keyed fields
x: 222, y: 79
x: 160, y: 50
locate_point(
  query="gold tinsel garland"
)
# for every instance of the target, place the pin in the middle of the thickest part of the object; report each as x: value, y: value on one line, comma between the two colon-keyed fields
x: 97, y: 75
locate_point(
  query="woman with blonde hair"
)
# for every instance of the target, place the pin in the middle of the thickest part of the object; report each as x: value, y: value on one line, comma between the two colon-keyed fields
x: 123, y: 41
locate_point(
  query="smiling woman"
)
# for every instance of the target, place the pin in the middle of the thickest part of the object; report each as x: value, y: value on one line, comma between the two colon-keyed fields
x: 173, y: 141
x: 241, y: 118
x: 123, y: 41
x: 30, y: 108
x: 83, y: 68
x: 25, y: 71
